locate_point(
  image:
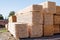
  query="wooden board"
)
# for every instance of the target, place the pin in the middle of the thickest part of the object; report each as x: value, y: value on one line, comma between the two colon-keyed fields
x: 48, y: 30
x: 49, y: 7
x: 30, y: 8
x: 56, y: 28
x: 18, y: 30
x: 6, y: 26
x: 48, y: 19
x: 36, y: 31
x: 56, y: 19
x: 58, y: 10
x: 37, y: 18
x: 22, y: 30
x: 12, y: 19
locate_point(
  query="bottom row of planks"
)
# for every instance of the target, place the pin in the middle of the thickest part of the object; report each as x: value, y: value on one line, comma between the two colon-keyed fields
x: 25, y: 31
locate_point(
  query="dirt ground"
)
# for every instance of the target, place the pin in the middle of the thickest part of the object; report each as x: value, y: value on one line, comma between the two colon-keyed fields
x: 8, y: 36
x: 5, y: 35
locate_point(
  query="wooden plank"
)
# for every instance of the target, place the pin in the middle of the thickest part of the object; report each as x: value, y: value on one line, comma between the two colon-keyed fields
x: 49, y: 7
x: 56, y: 28
x: 48, y: 19
x: 48, y: 30
x: 22, y: 30
x: 6, y: 26
x: 56, y: 19
x: 18, y: 30
x: 37, y: 17
x: 36, y: 31
x: 12, y: 19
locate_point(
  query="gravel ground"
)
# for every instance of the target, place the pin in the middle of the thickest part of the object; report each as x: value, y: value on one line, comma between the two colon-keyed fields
x: 7, y: 36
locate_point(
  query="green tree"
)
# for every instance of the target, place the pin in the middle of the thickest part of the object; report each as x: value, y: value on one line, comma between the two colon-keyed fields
x: 11, y: 13
x: 1, y: 17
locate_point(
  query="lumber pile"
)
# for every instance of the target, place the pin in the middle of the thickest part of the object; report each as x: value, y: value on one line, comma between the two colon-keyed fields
x: 35, y: 21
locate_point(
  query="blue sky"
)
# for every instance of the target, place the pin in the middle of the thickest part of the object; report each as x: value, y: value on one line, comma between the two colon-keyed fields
x: 14, y: 5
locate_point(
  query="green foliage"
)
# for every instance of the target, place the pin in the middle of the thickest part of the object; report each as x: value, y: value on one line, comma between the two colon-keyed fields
x: 11, y: 13
x: 3, y: 30
x: 1, y: 17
